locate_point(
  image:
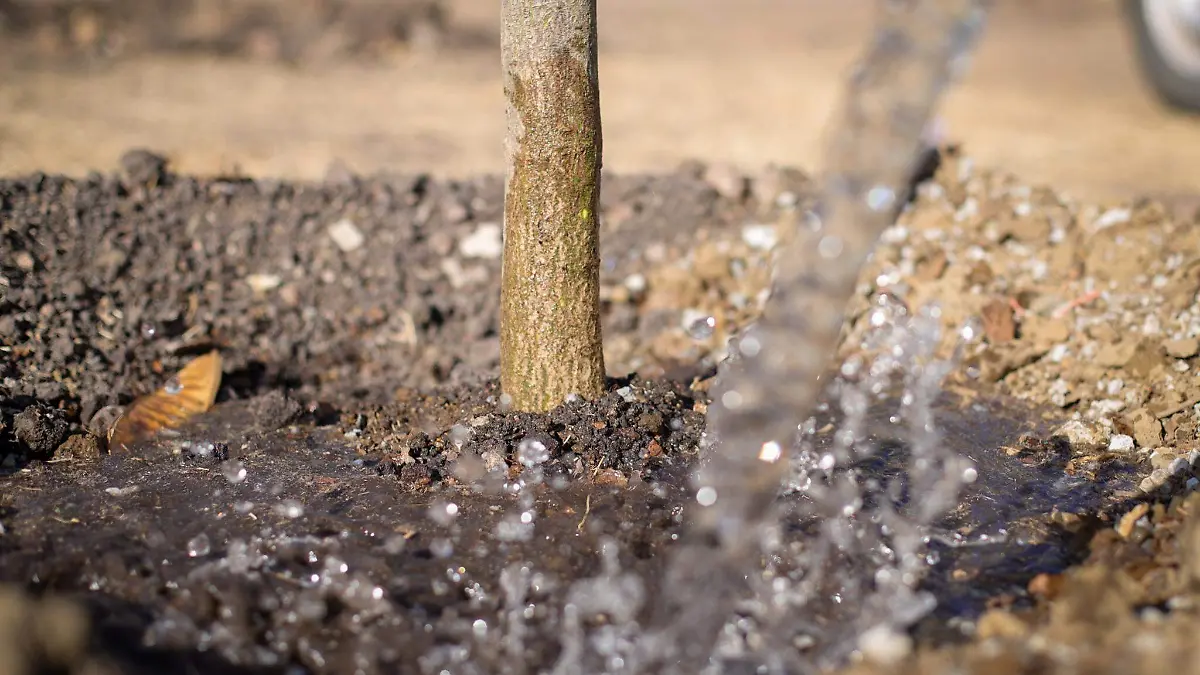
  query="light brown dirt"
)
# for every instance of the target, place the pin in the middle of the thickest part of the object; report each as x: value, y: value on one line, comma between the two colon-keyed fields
x: 1054, y: 96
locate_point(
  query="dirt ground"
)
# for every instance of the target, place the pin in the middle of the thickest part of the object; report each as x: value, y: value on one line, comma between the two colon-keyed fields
x: 360, y: 499
x: 1054, y: 97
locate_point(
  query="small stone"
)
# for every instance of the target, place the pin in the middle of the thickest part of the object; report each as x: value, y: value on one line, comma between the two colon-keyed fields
x: 1120, y: 443
x: 24, y: 261
x: 1147, y: 430
x: 79, y: 447
x: 40, y: 429
x: 493, y: 461
x: 261, y: 283
x: 1044, y: 331
x: 1115, y: 354
x: 635, y: 284
x: 1179, y: 466
x: 612, y: 478
x: 998, y: 324
x: 1185, y: 348
x: 1046, y: 586
x: 1129, y: 520
x: 760, y: 237
x: 1081, y: 433
x: 143, y: 167
x: 727, y: 181
x: 485, y: 242
x: 998, y: 623
x: 346, y: 235
x: 651, y: 423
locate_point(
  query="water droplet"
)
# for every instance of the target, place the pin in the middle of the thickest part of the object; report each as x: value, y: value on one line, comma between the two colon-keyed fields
x: 173, y: 386
x: 880, y: 198
x: 698, y: 325
x: 532, y: 452
x: 770, y: 452
x: 706, y: 496
x: 459, y: 435
x: 395, y: 544
x: 749, y: 346
x: 971, y: 331
x: 233, y: 470
x: 731, y: 399
x: 441, y: 547
x: 289, y: 508
x: 830, y: 247
x: 443, y: 513
x: 149, y: 330
x: 199, y: 546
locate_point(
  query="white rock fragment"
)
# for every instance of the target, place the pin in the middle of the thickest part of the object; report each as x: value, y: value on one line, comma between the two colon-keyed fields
x: 485, y: 242
x: 635, y: 283
x: 1120, y: 443
x: 1112, y: 217
x: 346, y: 235
x: 1079, y: 432
x: 261, y: 283
x: 760, y: 237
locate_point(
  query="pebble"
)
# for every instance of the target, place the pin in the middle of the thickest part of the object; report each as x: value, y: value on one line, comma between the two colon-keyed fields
x: 1120, y: 443
x: 485, y: 242
x: 727, y: 181
x: 1079, y: 432
x: 760, y: 237
x: 346, y: 235
x: 1184, y: 348
x: 261, y: 283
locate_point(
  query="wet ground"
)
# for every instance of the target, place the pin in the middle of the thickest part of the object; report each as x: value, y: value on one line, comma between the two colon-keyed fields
x: 357, y: 494
x: 359, y: 500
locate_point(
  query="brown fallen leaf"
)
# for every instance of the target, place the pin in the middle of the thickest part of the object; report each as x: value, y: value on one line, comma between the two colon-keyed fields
x: 190, y: 392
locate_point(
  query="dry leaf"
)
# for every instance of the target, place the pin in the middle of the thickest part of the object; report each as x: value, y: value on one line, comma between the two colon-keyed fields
x: 190, y: 392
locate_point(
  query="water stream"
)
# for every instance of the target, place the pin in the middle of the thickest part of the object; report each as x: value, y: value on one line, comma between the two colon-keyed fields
x: 772, y: 382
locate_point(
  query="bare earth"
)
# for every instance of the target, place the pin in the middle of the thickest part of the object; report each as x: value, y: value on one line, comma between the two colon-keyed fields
x: 1054, y: 97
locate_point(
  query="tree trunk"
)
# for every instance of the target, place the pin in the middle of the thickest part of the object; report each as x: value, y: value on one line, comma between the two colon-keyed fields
x: 550, y: 342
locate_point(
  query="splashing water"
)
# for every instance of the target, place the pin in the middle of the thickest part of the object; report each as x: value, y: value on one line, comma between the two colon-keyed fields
x: 772, y: 381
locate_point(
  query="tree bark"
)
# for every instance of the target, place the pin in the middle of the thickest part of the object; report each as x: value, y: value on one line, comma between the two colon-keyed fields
x: 550, y: 342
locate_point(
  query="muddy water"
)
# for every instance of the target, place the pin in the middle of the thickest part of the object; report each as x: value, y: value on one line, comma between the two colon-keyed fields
x: 318, y: 556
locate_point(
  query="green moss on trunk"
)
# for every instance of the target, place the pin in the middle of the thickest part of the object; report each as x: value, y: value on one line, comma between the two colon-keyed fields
x: 550, y: 306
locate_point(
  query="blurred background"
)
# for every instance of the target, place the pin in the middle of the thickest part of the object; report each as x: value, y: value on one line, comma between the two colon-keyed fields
x: 297, y: 88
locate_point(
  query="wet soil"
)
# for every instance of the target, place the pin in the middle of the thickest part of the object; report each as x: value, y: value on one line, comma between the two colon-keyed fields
x: 360, y: 499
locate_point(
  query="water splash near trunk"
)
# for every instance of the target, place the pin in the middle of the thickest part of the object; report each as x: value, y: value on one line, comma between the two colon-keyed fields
x: 771, y: 383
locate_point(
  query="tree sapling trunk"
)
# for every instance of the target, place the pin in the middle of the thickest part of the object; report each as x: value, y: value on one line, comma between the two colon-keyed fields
x: 550, y: 343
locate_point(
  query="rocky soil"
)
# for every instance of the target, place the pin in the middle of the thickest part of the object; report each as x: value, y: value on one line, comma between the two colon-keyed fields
x: 360, y: 499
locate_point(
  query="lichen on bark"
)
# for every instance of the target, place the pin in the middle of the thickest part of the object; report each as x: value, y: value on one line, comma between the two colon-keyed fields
x: 550, y: 306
